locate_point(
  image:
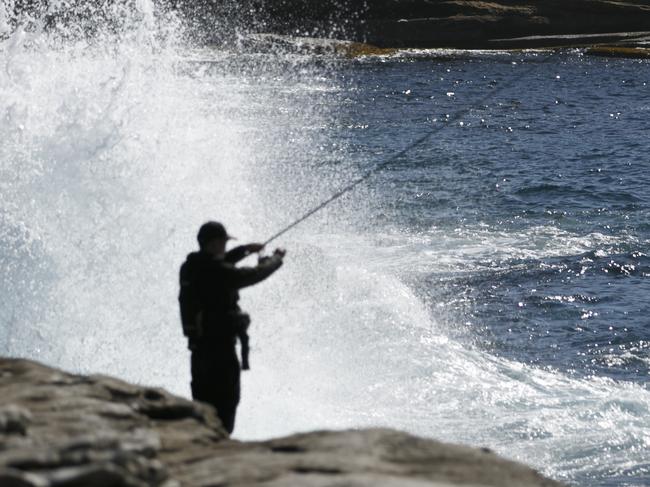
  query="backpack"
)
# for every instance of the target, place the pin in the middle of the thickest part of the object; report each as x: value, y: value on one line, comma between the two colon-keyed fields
x: 190, y: 305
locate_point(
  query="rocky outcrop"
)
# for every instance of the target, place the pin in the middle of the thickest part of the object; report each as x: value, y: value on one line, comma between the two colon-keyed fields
x: 433, y: 23
x: 63, y: 430
x: 505, y: 23
x: 496, y: 24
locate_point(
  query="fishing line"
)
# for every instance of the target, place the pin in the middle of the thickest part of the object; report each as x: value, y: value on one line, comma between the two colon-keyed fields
x: 381, y: 166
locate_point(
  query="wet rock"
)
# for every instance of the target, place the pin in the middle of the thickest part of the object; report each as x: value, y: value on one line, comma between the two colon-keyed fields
x: 65, y: 430
x: 278, y: 44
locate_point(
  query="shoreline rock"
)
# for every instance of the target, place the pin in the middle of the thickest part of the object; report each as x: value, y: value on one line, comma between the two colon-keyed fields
x: 64, y: 430
x: 429, y: 24
x: 281, y: 44
x: 374, y: 25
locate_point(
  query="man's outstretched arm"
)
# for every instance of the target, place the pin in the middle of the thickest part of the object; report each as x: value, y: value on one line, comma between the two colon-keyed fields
x: 238, y: 253
x: 247, y: 276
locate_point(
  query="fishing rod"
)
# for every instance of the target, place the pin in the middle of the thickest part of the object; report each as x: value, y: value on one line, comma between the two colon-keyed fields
x: 380, y: 167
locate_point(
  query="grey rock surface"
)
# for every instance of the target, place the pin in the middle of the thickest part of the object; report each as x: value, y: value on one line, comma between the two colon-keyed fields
x: 64, y: 430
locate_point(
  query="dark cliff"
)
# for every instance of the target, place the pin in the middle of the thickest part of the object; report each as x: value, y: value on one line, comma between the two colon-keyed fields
x: 432, y: 23
x: 383, y: 23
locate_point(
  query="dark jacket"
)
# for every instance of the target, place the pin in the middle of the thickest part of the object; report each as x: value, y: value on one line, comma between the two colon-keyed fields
x: 214, y: 284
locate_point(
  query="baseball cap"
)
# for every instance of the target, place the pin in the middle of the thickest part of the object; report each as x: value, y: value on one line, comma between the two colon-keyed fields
x: 212, y: 231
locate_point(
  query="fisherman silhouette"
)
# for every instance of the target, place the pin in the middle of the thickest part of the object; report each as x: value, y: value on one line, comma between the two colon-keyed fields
x: 211, y: 317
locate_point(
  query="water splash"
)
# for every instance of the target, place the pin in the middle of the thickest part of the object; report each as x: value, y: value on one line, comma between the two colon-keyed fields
x: 113, y: 152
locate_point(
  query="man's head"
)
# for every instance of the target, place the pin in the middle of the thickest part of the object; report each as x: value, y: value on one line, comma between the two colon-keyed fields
x: 212, y: 237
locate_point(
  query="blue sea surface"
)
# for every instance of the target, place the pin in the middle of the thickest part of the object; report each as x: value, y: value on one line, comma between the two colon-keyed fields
x: 539, y: 194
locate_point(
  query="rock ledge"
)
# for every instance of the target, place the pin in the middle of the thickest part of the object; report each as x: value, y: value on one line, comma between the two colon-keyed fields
x: 64, y: 430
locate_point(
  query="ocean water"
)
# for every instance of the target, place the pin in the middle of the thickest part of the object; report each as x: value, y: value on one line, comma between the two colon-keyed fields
x: 488, y: 287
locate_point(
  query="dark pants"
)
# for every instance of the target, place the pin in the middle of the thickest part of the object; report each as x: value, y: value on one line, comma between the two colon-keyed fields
x: 215, y: 380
